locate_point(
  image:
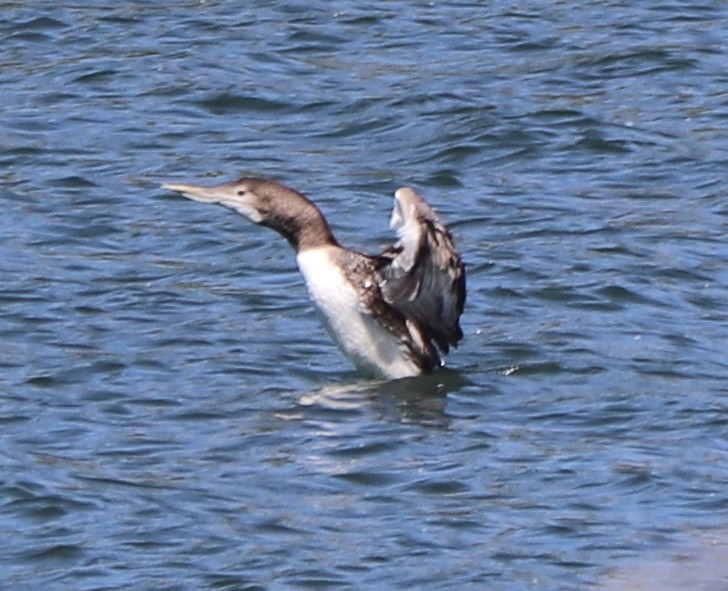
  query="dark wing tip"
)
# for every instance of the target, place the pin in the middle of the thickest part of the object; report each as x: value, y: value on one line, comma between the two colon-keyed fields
x: 424, y: 276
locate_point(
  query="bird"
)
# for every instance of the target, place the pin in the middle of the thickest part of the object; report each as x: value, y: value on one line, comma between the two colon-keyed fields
x: 389, y: 313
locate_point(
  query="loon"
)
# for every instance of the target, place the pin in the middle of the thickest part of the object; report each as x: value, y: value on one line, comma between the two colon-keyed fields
x: 388, y: 313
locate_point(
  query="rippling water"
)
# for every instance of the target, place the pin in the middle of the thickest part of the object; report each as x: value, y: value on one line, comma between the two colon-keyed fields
x: 174, y: 417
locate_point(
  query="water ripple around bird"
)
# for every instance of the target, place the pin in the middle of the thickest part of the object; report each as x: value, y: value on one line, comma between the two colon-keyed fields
x: 174, y: 416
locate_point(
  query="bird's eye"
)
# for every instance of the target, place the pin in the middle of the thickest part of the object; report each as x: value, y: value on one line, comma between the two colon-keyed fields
x: 241, y: 192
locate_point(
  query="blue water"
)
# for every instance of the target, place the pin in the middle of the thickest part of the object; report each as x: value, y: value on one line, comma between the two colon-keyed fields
x: 174, y: 417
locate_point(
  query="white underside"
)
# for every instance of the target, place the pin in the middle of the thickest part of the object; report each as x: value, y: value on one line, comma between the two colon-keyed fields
x: 370, y: 347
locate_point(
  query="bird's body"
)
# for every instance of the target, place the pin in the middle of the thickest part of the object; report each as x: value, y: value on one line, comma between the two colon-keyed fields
x: 385, y: 312
x: 344, y: 307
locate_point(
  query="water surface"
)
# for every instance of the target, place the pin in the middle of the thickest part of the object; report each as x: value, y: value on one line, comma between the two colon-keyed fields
x: 174, y: 417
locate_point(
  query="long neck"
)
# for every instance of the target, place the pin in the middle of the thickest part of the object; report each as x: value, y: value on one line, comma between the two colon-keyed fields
x: 303, y: 225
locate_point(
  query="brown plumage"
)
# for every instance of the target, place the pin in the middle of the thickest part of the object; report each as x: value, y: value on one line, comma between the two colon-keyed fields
x: 387, y: 312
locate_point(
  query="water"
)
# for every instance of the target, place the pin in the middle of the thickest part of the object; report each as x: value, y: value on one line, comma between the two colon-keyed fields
x: 174, y: 417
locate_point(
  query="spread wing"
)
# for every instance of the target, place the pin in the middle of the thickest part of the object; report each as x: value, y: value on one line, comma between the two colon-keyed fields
x: 423, y: 274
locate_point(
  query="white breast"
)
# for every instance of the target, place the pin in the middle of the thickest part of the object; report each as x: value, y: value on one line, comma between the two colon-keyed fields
x: 363, y: 340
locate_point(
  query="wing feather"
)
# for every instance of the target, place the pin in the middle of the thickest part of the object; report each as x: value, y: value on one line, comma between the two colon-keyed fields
x: 423, y: 273
x: 361, y: 270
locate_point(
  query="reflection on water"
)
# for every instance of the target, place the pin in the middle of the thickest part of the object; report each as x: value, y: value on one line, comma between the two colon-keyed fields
x: 173, y: 414
x: 698, y: 563
x: 421, y: 400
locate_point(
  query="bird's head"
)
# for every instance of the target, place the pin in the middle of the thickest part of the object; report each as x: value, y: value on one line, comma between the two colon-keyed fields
x: 251, y: 197
x: 264, y: 202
